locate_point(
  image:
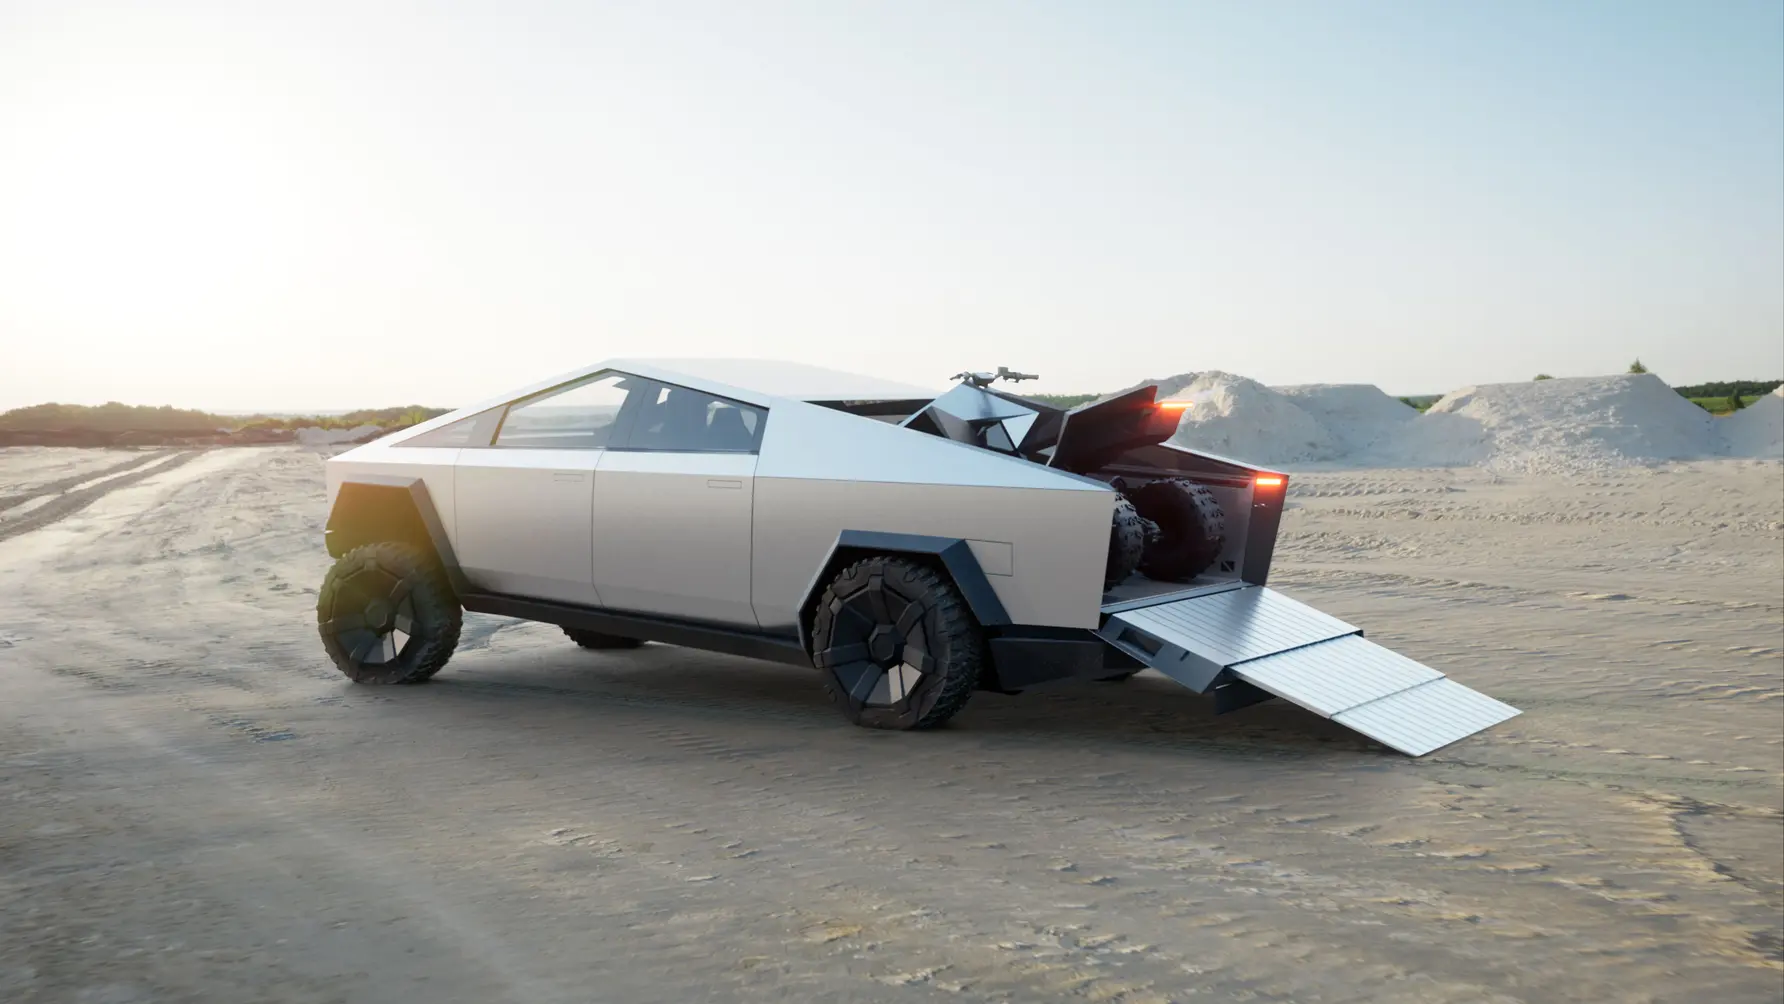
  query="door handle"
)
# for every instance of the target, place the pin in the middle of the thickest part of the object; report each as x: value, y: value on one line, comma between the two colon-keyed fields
x: 723, y: 483
x: 567, y: 476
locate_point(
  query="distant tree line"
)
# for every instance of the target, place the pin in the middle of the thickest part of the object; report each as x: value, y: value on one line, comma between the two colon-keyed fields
x: 111, y: 417
x: 1726, y: 388
x: 1062, y: 400
x: 115, y: 417
x: 388, y: 418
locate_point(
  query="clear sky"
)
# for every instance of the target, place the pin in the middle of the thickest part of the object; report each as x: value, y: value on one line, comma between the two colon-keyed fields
x: 242, y: 205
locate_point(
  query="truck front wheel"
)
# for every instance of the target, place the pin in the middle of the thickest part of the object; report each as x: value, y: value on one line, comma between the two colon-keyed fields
x: 387, y: 614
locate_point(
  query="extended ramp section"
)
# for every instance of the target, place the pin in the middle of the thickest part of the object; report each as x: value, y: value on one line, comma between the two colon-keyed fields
x: 1261, y: 638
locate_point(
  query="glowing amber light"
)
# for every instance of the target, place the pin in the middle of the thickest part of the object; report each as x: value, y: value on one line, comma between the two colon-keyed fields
x: 1269, y: 482
x: 1173, y: 405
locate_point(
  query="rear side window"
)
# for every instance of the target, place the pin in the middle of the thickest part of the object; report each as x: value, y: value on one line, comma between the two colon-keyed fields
x: 578, y: 417
x: 679, y: 420
x: 473, y: 431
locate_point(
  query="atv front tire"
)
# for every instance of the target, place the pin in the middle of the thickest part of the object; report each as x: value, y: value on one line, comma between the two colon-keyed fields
x: 896, y: 645
x: 598, y: 640
x: 1191, y: 528
x: 1128, y: 535
x: 387, y: 614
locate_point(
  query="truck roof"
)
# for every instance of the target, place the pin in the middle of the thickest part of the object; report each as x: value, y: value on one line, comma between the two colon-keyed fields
x: 776, y: 378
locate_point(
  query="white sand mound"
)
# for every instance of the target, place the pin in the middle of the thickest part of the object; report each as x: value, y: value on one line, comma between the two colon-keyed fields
x: 1582, y: 424
x: 1568, y: 426
x: 1758, y: 429
x: 1240, y: 418
x: 1358, y: 416
x: 312, y: 436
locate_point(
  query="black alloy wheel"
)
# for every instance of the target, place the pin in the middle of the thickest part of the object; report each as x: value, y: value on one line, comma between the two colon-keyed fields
x: 387, y: 615
x: 896, y: 644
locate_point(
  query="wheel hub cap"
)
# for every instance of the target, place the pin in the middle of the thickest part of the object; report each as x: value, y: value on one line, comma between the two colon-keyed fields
x: 879, y: 647
x: 374, y: 617
x: 885, y: 647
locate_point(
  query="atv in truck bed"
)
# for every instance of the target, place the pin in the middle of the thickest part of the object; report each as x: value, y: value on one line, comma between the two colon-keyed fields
x: 911, y: 546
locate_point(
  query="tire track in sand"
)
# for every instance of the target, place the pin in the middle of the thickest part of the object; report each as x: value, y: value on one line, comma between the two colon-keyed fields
x: 61, y: 485
x: 69, y: 503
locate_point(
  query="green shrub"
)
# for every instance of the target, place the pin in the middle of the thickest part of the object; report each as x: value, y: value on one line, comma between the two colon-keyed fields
x: 1723, y: 388
x: 1723, y: 405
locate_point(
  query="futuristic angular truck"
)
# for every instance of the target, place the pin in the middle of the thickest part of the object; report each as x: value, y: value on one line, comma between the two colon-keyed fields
x: 912, y: 547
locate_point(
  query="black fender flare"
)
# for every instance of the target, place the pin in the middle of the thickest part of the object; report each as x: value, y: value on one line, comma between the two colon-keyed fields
x: 951, y: 554
x: 372, y: 508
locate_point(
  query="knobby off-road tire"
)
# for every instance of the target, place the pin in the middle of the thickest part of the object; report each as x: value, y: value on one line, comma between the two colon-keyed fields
x: 1191, y: 528
x: 1129, y: 533
x: 896, y: 646
x: 387, y: 614
x: 597, y: 640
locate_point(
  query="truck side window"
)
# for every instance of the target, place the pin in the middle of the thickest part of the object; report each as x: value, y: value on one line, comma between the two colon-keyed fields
x: 676, y: 419
x: 577, y: 417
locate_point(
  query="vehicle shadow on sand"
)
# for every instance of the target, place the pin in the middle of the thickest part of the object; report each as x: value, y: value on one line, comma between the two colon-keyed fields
x: 1145, y: 711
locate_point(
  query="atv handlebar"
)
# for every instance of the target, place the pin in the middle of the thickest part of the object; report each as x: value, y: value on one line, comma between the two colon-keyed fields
x: 984, y: 379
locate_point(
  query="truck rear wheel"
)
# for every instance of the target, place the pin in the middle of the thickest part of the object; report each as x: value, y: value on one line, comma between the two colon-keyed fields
x: 896, y: 645
x: 387, y: 614
x: 1191, y: 528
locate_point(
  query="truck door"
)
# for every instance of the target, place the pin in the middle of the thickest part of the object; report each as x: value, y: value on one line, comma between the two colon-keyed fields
x: 673, y: 504
x: 525, y: 500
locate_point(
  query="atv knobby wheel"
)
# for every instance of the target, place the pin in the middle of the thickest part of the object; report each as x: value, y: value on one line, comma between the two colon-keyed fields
x: 596, y: 639
x: 896, y: 645
x: 387, y: 614
x: 1129, y: 533
x: 1191, y: 528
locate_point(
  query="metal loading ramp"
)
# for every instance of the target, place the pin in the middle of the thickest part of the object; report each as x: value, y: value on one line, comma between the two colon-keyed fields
x: 1266, y: 640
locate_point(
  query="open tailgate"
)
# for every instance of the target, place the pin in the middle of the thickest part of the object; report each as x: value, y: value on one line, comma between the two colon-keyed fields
x: 1231, y: 638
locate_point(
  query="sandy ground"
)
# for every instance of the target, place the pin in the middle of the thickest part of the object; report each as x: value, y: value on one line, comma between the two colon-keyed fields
x: 195, y: 807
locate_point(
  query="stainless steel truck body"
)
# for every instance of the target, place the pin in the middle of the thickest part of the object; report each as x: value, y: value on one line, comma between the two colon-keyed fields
x: 912, y: 546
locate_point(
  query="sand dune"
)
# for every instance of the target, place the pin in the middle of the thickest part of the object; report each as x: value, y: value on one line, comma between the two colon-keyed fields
x: 1565, y: 426
x: 1758, y: 429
